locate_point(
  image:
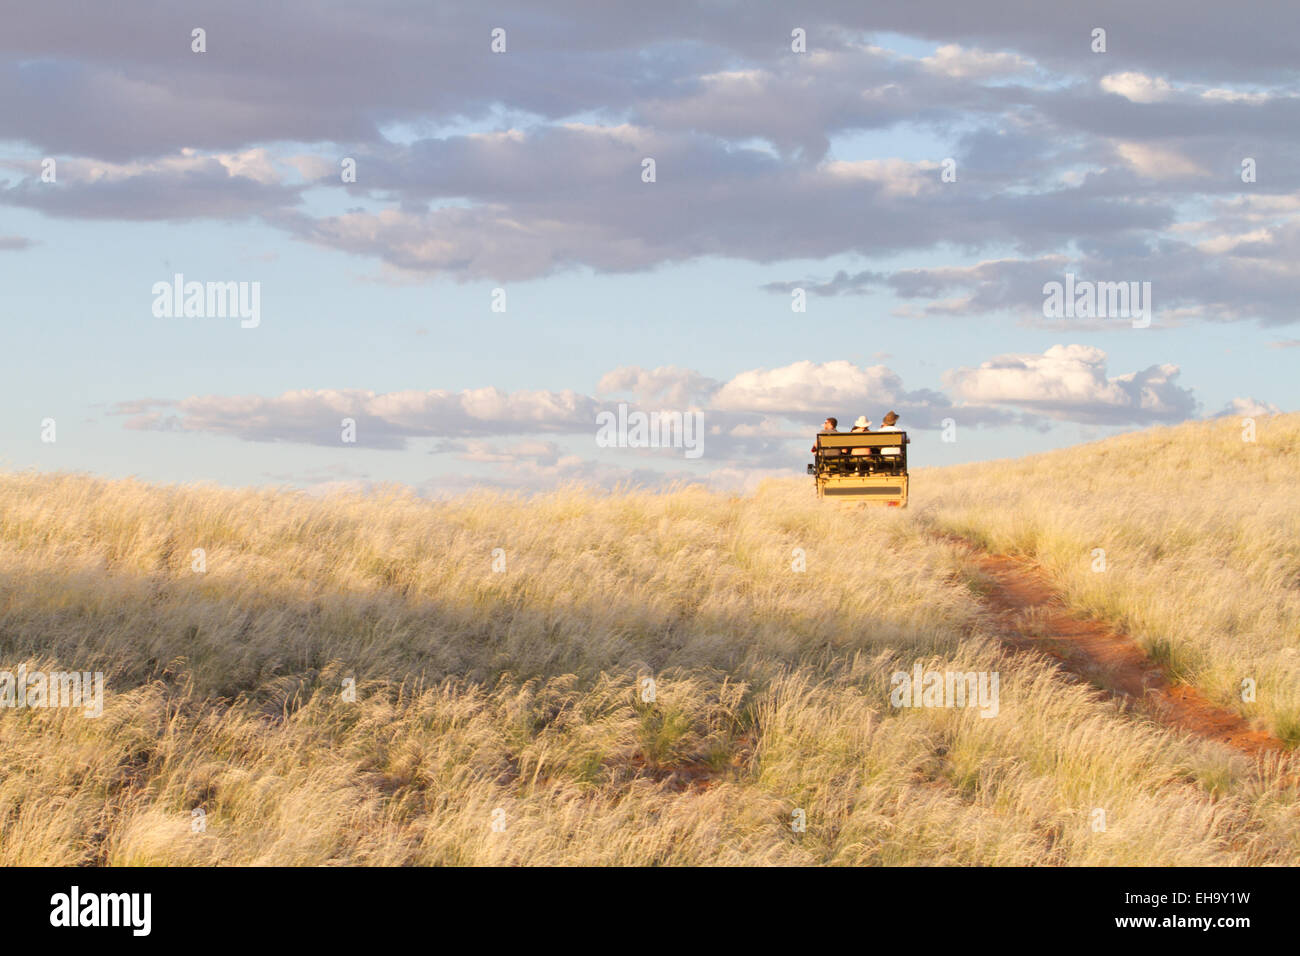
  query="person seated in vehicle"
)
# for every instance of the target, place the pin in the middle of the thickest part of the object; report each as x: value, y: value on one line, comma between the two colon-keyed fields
x: 829, y: 427
x: 861, y: 426
x: 892, y: 454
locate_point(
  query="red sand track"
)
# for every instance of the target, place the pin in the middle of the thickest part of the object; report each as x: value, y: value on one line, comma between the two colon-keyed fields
x: 1030, y: 614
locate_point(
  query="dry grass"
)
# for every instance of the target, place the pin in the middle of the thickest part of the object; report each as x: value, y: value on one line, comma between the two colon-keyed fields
x: 520, y: 691
x: 1201, y: 534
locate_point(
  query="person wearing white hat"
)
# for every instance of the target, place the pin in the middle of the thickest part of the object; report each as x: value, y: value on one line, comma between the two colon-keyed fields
x: 863, y: 424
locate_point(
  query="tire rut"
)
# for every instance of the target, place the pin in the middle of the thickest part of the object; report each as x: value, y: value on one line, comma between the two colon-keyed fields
x: 1029, y: 614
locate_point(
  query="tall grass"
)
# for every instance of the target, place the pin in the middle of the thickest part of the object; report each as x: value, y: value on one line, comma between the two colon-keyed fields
x: 1201, y: 538
x: 500, y: 716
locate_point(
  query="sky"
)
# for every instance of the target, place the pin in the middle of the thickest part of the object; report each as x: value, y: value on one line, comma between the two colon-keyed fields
x: 472, y: 229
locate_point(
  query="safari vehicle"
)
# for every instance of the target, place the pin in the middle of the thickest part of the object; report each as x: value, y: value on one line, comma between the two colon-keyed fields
x: 868, y: 468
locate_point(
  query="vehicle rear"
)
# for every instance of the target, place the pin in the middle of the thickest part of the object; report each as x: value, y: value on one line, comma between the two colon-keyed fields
x: 862, y: 468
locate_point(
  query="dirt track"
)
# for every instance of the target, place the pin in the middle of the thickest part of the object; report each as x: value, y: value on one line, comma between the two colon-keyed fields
x: 1029, y: 614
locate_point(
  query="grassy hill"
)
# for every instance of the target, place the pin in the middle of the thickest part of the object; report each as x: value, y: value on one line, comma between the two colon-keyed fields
x: 1201, y: 538
x: 499, y: 709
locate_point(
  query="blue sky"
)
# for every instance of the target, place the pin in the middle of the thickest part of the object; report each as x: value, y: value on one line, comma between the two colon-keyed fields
x: 522, y: 171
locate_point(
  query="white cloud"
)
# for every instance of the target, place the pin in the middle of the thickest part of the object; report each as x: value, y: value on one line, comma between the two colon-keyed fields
x: 1234, y: 96
x: 1155, y: 162
x: 1137, y: 87
x: 255, y: 164
x: 757, y: 420
x: 809, y: 387
x: 507, y: 450
x: 1221, y: 244
x: 1248, y: 407
x: 764, y: 428
x: 679, y: 388
x: 895, y: 177
x: 313, y: 167
x: 1069, y: 382
x: 383, y: 420
x: 968, y: 63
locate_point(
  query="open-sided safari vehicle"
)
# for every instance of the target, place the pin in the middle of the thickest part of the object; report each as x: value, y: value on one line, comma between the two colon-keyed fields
x: 861, y: 468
